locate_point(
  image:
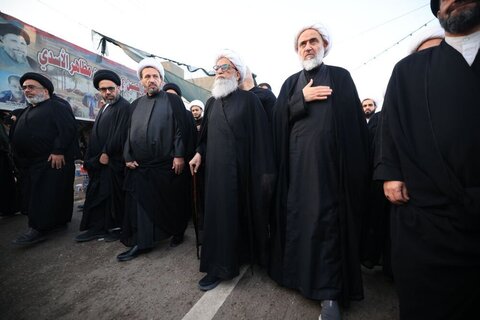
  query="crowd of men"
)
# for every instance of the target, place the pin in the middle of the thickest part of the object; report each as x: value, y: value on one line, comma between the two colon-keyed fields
x: 310, y: 185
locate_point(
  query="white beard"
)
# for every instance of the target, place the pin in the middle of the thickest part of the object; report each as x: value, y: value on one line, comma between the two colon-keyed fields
x: 223, y: 87
x: 315, y: 62
x: 37, y: 99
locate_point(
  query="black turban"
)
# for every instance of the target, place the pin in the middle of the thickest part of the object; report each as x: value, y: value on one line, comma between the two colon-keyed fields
x: 106, y: 75
x: 173, y: 87
x: 6, y: 28
x: 434, y: 5
x: 44, y: 81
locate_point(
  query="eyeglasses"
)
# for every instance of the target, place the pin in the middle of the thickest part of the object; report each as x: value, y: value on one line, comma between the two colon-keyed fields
x: 223, y: 67
x: 111, y: 89
x: 31, y: 87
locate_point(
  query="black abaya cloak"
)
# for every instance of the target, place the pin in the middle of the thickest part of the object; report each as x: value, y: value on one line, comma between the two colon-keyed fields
x: 375, y: 241
x: 158, y: 201
x: 321, y: 150
x: 8, y: 189
x: 239, y: 176
x: 104, y: 201
x: 430, y: 139
x: 267, y: 98
x: 48, y: 128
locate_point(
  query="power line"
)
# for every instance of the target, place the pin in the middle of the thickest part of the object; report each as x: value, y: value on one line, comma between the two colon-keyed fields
x: 384, y: 23
x: 395, y: 44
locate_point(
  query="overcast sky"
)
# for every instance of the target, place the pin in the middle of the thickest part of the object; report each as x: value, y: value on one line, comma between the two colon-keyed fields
x: 262, y: 32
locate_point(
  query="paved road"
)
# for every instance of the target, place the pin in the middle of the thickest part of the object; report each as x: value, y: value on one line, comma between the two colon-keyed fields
x: 61, y: 279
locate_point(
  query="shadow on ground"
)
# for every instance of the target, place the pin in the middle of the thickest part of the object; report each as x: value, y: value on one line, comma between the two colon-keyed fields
x: 62, y: 279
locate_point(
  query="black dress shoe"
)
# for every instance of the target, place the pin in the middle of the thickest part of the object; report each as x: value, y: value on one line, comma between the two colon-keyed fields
x: 132, y: 253
x: 32, y: 236
x: 208, y: 282
x: 90, y: 235
x: 176, y: 240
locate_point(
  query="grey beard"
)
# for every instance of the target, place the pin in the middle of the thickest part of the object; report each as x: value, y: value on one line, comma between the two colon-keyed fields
x: 152, y: 91
x: 37, y: 99
x: 461, y: 23
x: 315, y: 62
x: 223, y: 87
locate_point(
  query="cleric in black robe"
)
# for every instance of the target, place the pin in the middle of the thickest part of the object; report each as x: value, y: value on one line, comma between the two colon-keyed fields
x: 198, y: 180
x: 196, y: 108
x: 429, y: 156
x: 43, y: 140
x: 369, y: 107
x: 239, y: 172
x: 321, y: 150
x: 104, y: 200
x: 375, y: 240
x: 161, y: 138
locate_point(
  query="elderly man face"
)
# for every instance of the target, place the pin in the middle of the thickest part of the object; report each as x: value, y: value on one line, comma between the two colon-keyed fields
x: 226, y: 78
x: 109, y: 90
x: 15, y: 46
x: 310, y: 48
x: 151, y: 80
x: 459, y: 16
x: 34, y: 91
x: 225, y: 69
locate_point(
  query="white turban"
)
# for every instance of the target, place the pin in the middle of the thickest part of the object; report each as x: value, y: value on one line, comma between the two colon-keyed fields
x: 235, y: 59
x: 426, y: 34
x: 197, y: 103
x: 322, y: 30
x: 150, y: 62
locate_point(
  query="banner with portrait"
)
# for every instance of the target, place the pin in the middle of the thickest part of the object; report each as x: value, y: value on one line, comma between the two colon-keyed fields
x: 24, y: 48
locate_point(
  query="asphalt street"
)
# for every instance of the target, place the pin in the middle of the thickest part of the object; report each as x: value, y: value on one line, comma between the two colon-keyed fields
x: 62, y: 279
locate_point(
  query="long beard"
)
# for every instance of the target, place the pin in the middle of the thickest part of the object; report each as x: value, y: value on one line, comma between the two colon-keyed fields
x: 315, y: 62
x: 461, y: 22
x: 36, y: 99
x: 223, y: 87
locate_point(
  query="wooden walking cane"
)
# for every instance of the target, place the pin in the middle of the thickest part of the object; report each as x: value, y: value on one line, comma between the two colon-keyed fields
x: 195, y: 213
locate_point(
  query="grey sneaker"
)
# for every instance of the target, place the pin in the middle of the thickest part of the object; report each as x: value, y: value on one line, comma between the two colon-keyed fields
x: 330, y: 310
